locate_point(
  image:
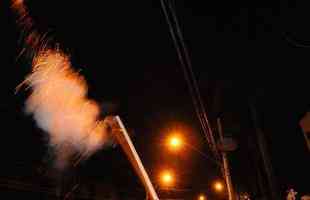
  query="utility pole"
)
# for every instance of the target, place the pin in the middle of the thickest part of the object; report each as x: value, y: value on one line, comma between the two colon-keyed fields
x: 263, y: 151
x: 225, y: 167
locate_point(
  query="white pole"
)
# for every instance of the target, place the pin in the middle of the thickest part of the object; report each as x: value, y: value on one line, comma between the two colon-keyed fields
x: 135, y: 159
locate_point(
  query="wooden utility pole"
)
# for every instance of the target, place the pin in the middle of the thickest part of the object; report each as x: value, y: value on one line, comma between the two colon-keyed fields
x: 226, y: 171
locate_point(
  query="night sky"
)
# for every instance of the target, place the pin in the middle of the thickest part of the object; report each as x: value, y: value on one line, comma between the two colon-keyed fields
x: 251, y: 50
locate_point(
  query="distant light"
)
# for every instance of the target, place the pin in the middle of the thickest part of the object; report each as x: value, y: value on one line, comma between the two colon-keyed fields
x: 174, y: 142
x: 166, y: 178
x: 202, y: 197
x: 218, y: 186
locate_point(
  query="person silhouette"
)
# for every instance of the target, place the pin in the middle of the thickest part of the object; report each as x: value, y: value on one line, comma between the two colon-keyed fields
x: 291, y: 195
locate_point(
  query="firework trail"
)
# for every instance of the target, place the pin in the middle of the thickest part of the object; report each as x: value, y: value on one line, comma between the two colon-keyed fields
x: 58, y: 99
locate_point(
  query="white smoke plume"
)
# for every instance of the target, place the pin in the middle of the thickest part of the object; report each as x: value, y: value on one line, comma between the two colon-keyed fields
x: 58, y: 99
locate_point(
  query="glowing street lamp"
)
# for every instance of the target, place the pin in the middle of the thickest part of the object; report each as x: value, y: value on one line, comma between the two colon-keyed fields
x: 218, y: 186
x: 202, y: 197
x: 166, y: 178
x: 174, y: 142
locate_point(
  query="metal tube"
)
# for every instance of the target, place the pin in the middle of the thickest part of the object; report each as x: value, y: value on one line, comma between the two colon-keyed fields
x: 128, y: 147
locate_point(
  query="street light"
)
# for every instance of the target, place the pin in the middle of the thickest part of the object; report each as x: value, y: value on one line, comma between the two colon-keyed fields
x: 174, y: 142
x: 202, y: 197
x: 218, y: 186
x: 166, y: 178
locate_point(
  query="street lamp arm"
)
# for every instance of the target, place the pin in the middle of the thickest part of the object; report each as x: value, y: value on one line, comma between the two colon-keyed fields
x: 203, y: 155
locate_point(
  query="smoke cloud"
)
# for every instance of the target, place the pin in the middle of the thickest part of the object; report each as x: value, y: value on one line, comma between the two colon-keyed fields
x: 58, y: 100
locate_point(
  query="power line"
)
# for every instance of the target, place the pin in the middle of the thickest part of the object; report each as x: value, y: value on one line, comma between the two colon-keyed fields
x: 195, y: 84
x: 185, y: 62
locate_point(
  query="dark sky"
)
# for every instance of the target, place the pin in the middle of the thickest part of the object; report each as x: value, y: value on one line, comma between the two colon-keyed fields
x: 124, y: 50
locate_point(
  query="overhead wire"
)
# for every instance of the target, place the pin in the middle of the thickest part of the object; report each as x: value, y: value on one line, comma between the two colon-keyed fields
x: 195, y: 84
x: 185, y: 62
x: 182, y: 64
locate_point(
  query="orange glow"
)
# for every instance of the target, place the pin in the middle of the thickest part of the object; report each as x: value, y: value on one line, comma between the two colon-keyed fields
x: 166, y: 178
x: 202, y: 197
x: 218, y: 186
x: 175, y: 142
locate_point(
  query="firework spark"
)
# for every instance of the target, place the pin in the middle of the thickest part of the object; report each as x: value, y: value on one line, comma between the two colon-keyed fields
x: 58, y: 99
